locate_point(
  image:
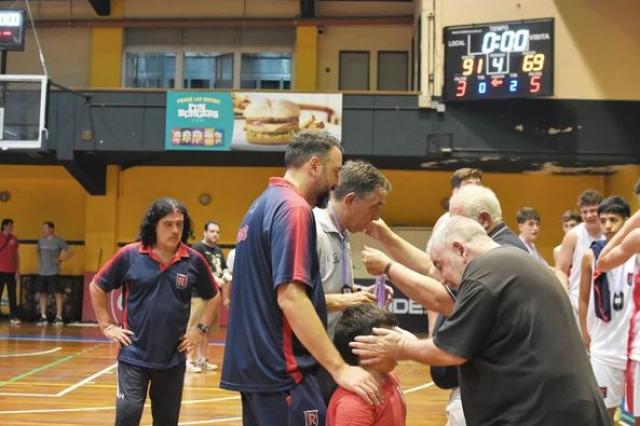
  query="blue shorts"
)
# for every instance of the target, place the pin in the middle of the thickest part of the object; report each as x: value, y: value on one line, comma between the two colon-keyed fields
x: 301, y: 405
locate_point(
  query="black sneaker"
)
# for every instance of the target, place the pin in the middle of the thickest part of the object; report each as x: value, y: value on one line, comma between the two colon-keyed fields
x: 58, y: 322
x: 41, y: 322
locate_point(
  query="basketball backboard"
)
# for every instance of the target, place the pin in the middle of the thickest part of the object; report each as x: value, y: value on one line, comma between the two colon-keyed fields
x: 23, y: 100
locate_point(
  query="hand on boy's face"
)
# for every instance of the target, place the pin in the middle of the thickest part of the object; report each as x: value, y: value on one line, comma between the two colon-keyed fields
x: 384, y: 343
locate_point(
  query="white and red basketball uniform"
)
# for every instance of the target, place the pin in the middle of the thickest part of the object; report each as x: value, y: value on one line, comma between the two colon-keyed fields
x: 632, y: 394
x: 608, y: 350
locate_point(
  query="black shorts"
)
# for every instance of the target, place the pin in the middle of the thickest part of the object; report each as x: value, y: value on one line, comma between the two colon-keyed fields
x: 48, y: 284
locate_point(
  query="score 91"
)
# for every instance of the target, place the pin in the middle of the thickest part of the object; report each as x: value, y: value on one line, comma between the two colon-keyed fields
x: 468, y: 66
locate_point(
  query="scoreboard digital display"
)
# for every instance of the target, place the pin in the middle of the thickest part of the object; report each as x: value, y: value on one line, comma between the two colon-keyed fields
x: 11, y: 29
x: 499, y: 60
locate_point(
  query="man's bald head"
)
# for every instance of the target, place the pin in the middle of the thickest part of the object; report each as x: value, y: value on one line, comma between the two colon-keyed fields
x: 478, y: 203
x: 454, y: 244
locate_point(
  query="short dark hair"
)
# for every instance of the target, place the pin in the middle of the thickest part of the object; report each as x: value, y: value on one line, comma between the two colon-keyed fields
x: 6, y: 222
x: 362, y: 178
x: 527, y: 213
x: 308, y: 144
x: 589, y: 197
x: 159, y: 209
x: 359, y: 320
x: 614, y: 205
x: 463, y: 174
x: 571, y: 215
x: 49, y: 224
x: 211, y: 222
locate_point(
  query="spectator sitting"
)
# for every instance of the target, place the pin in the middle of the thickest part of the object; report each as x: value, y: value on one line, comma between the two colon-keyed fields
x: 347, y: 407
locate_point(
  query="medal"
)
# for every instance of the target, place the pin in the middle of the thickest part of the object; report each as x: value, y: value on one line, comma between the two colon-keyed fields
x: 618, y: 301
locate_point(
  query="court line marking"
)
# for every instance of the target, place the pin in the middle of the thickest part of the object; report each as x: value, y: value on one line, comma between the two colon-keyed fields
x: 65, y: 391
x: 86, y: 380
x: 26, y: 338
x: 50, y: 351
x: 417, y: 388
x: 112, y: 407
x: 36, y: 370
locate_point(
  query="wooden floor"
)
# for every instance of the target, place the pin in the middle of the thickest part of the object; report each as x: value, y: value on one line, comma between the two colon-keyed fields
x: 65, y: 376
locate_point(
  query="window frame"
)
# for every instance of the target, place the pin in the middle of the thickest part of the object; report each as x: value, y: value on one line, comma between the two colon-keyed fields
x: 205, y: 48
x: 340, y: 53
x: 407, y: 65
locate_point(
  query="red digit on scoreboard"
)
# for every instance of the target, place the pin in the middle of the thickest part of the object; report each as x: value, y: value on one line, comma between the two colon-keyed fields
x: 534, y: 83
x: 461, y: 88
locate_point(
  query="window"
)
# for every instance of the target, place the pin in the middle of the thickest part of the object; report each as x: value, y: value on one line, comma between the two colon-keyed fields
x: 393, y: 71
x: 265, y: 71
x: 208, y: 70
x: 150, y: 69
x: 354, y: 71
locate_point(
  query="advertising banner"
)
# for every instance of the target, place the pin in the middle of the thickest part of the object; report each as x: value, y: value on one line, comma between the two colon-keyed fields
x: 247, y: 121
x: 267, y: 121
x: 198, y: 121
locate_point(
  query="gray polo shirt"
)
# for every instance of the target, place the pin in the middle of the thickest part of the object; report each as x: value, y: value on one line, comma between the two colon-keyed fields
x: 329, y: 247
x: 49, y: 250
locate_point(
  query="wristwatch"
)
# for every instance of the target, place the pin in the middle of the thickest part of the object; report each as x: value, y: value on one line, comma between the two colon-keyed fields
x: 203, y: 328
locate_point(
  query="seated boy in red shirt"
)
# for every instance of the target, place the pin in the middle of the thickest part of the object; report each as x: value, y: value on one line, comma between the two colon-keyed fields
x: 347, y: 408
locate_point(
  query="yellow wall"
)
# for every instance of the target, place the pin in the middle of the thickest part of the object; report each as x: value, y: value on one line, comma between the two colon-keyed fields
x: 306, y: 59
x: 50, y: 193
x: 39, y: 194
x: 621, y: 183
x: 232, y: 189
x: 106, y: 57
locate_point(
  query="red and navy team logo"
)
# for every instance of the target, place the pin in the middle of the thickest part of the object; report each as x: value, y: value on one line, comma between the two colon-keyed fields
x: 242, y: 234
x: 603, y: 391
x: 311, y: 418
x: 181, y: 281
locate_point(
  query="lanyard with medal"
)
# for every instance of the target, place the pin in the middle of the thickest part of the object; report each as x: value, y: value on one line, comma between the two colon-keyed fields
x: 347, y: 279
x: 618, y: 296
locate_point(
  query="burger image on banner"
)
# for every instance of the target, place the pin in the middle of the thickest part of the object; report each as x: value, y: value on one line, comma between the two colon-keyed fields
x: 271, y: 121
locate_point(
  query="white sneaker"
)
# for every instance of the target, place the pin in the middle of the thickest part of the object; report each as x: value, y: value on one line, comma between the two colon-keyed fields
x: 15, y: 321
x: 193, y: 368
x: 206, y: 365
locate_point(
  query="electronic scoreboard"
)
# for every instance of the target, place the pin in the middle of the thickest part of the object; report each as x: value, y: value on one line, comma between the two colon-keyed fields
x: 499, y: 60
x: 11, y: 29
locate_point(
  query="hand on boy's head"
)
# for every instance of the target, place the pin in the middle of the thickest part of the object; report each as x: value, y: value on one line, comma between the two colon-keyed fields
x: 405, y: 333
x: 384, y: 343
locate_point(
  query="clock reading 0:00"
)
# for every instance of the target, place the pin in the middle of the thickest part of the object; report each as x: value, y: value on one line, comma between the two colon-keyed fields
x: 530, y: 63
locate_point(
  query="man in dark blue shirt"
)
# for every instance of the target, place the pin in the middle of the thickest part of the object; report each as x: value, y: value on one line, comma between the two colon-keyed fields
x: 157, y: 274
x: 276, y: 335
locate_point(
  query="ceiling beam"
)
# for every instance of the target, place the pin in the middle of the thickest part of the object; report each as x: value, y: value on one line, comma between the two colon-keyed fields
x: 102, y: 7
x: 225, y: 23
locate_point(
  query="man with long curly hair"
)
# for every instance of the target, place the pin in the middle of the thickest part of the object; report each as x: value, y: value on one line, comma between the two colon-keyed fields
x: 156, y: 275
